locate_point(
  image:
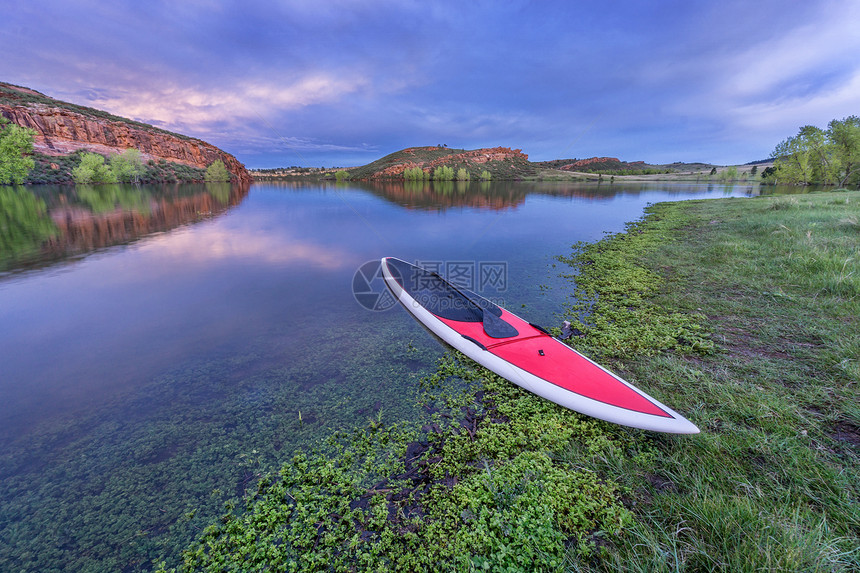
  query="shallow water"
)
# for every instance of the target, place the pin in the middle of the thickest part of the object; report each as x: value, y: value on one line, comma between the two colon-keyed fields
x: 162, y: 346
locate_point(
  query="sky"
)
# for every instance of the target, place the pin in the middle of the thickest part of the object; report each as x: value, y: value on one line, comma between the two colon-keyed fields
x: 345, y: 82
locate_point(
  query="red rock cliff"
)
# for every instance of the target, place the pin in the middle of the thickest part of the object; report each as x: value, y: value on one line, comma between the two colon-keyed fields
x: 589, y: 162
x: 474, y: 157
x: 60, y: 131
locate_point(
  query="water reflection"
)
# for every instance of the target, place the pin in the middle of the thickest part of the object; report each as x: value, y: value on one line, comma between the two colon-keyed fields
x: 47, y: 223
x: 40, y: 225
x: 24, y: 223
x: 506, y: 195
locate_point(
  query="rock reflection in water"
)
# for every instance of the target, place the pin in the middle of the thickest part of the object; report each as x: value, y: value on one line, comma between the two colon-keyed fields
x: 51, y: 223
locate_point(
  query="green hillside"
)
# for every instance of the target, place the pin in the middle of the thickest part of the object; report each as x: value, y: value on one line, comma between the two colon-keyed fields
x: 504, y: 163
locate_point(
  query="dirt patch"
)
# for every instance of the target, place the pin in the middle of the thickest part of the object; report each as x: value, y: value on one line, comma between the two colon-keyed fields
x: 846, y: 432
x: 740, y: 342
x: 661, y: 484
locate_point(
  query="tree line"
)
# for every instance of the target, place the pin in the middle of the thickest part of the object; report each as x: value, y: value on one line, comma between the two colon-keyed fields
x: 825, y: 156
x: 442, y: 173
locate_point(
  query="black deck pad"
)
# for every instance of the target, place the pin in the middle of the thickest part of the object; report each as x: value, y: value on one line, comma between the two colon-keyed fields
x: 439, y: 296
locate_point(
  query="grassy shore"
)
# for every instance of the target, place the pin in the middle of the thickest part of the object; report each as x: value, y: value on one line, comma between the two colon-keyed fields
x: 772, y: 482
x: 740, y: 313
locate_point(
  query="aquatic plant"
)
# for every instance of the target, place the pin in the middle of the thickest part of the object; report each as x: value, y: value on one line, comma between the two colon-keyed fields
x: 481, y: 486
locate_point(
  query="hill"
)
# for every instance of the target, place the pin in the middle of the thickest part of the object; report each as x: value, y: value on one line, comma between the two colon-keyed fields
x: 614, y: 166
x: 64, y: 129
x: 500, y: 162
x: 504, y: 163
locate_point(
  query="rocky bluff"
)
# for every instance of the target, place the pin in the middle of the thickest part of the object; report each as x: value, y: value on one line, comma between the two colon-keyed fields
x: 62, y: 128
x: 428, y: 159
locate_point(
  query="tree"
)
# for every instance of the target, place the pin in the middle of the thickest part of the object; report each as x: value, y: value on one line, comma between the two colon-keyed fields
x: 730, y: 174
x: 217, y: 172
x: 443, y: 173
x: 486, y: 175
x: 818, y: 156
x: 413, y: 174
x: 127, y: 166
x: 794, y: 157
x: 16, y: 146
x: 844, y: 137
x: 92, y: 169
x: 462, y: 174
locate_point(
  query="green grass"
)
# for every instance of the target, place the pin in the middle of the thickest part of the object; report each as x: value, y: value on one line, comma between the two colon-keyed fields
x: 742, y: 314
x: 771, y: 484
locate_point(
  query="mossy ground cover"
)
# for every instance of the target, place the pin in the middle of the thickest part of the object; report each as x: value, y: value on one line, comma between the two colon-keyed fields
x: 742, y: 314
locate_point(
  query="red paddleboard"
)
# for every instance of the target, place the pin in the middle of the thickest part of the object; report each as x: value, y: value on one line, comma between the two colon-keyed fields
x: 524, y: 353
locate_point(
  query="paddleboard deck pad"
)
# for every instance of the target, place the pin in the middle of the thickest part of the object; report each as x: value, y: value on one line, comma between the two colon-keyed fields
x: 524, y: 353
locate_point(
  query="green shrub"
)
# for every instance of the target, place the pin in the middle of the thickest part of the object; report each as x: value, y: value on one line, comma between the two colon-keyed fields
x: 217, y: 172
x: 414, y: 174
x: 92, y: 169
x: 16, y: 146
x: 730, y: 174
x: 443, y: 173
x: 127, y: 166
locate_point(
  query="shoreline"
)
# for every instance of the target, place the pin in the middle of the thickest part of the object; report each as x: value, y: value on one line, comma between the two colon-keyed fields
x: 741, y: 314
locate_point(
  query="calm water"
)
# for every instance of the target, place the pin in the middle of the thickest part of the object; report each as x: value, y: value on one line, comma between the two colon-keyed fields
x: 162, y: 346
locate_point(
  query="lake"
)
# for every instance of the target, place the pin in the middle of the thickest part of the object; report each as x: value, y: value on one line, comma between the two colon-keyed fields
x: 162, y: 346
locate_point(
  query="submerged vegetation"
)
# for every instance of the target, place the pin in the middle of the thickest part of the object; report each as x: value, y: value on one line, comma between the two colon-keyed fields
x: 127, y: 492
x: 740, y: 313
x: 496, y: 487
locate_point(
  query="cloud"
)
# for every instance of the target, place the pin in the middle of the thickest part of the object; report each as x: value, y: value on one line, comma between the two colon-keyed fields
x: 343, y: 80
x: 177, y: 105
x: 797, y: 110
x: 785, y: 69
x: 212, y: 243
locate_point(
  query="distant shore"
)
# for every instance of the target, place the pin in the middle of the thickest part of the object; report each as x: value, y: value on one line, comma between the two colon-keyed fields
x: 700, y: 175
